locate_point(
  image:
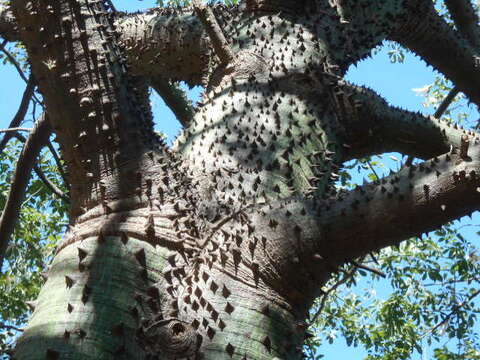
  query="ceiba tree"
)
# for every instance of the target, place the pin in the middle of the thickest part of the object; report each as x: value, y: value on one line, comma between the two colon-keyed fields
x: 216, y: 247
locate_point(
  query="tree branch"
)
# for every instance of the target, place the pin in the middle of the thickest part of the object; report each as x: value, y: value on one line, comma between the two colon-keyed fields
x: 15, y: 130
x: 166, y: 41
x: 424, y: 31
x: 35, y: 142
x: 466, y: 20
x: 275, y: 6
x: 372, y: 126
x: 455, y: 310
x: 15, y: 63
x: 21, y: 112
x: 219, y: 42
x: 59, y: 164
x: 53, y: 188
x: 350, y: 274
x: 415, y: 200
x: 10, y: 327
x: 175, y: 98
x: 446, y: 103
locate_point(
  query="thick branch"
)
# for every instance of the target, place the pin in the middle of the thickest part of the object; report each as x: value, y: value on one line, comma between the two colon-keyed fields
x: 373, y: 126
x: 465, y: 19
x: 425, y: 32
x: 175, y: 98
x: 413, y: 201
x: 36, y: 141
x: 166, y: 41
x: 275, y: 6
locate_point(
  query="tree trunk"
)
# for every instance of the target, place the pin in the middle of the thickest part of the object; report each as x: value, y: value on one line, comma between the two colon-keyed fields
x: 216, y: 248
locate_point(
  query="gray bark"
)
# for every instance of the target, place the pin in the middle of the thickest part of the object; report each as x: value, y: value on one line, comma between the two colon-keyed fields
x: 216, y: 248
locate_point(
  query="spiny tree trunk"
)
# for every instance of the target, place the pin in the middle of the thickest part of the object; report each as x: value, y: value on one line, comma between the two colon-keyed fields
x: 216, y: 248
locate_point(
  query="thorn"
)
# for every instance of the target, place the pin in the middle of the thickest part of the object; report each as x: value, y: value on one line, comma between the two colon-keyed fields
x: 101, y: 238
x: 141, y: 258
x: 86, y: 293
x: 69, y: 281
x: 225, y: 292
x: 268, y: 344
x: 210, y: 332
x: 230, y: 349
x: 229, y: 308
x: 465, y: 142
x: 82, y: 254
x: 31, y: 305
x: 124, y: 238
x: 52, y: 354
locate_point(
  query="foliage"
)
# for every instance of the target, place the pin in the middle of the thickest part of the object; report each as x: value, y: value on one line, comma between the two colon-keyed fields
x: 39, y: 228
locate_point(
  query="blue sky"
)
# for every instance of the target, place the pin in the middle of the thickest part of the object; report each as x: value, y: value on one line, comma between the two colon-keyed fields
x: 393, y: 81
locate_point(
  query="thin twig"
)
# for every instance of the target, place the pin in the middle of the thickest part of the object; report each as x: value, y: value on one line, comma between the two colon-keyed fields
x: 15, y: 63
x: 21, y: 112
x: 10, y: 327
x: 373, y: 170
x: 446, y: 103
x: 53, y: 188
x: 453, y: 312
x: 59, y: 163
x: 368, y: 268
x: 15, y: 129
x: 41, y: 175
x: 334, y: 287
x: 17, y: 66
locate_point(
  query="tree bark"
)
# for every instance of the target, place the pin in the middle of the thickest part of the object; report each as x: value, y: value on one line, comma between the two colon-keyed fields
x: 216, y: 248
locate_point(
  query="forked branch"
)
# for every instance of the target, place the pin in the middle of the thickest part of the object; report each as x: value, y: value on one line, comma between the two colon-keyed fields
x: 373, y: 126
